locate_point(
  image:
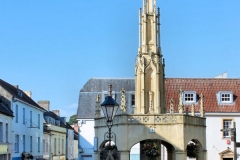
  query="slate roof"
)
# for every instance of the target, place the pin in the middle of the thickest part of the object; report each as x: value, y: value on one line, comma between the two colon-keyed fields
x: 14, y: 92
x: 95, y: 86
x: 4, y: 109
x: 209, y: 87
x: 54, y: 116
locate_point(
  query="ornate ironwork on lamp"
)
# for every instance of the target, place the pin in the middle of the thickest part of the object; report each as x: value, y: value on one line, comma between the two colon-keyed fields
x: 109, y: 108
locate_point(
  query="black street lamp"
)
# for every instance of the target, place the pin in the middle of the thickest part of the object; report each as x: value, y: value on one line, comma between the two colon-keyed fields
x: 109, y: 108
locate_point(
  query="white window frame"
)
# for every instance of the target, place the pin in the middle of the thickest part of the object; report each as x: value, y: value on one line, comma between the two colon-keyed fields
x: 24, y: 143
x: 44, y: 143
x: 184, y: 96
x: 38, y: 144
x: 221, y: 97
x: 24, y: 116
x: 227, y: 134
x: 31, y: 144
x: 55, y: 146
x: 6, y: 132
x: 31, y: 119
x: 16, y: 113
x: 62, y: 146
x: 16, y: 148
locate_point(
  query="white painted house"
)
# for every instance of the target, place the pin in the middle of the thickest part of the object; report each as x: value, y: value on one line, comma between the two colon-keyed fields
x: 6, y: 117
x: 27, y: 124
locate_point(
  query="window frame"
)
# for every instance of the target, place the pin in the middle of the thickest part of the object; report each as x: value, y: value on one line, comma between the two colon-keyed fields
x: 24, y: 117
x: 7, y: 128
x: 31, y: 146
x: 31, y: 119
x: 228, y: 132
x: 131, y: 99
x: 220, y: 97
x: 16, y: 113
x: 38, y: 144
x: 24, y: 143
x: 194, y: 97
x: 16, y: 144
x: 38, y: 121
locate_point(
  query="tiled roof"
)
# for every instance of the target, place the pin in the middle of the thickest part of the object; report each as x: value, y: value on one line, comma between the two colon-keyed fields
x: 209, y: 88
x: 15, y: 93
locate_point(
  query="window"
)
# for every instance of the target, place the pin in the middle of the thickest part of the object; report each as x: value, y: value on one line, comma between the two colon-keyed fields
x: 38, y: 144
x: 1, y: 132
x: 225, y: 97
x: 59, y: 145
x: 189, y: 97
x: 6, y: 132
x: 31, y: 144
x: 55, y: 145
x: 16, y: 114
x: 30, y: 118
x: 62, y: 146
x: 23, y: 115
x: 38, y: 120
x: 132, y: 99
x: 24, y: 143
x: 16, y: 143
x: 227, y: 123
x: 44, y: 146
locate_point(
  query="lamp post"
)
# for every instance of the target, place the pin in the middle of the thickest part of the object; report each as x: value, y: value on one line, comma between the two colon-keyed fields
x: 109, y: 108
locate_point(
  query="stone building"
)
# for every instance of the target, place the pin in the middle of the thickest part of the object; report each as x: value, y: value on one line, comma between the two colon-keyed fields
x: 142, y: 117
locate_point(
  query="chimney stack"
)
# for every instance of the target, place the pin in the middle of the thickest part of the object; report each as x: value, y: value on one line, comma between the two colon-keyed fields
x: 57, y: 112
x: 44, y: 104
x: 29, y: 93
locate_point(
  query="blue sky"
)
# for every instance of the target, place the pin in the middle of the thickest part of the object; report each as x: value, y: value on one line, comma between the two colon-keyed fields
x: 53, y: 47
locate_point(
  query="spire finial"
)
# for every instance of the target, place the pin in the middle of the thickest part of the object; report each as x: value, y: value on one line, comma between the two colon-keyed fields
x: 110, y: 90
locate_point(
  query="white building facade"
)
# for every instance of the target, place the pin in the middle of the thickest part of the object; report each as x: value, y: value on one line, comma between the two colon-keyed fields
x: 6, y: 117
x: 27, y: 124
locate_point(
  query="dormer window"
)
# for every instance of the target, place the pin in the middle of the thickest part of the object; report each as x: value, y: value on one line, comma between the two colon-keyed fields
x: 189, y: 97
x: 225, y: 97
x: 19, y: 93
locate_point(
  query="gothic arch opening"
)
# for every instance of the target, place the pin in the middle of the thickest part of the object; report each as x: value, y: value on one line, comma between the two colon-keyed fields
x: 108, y: 150
x: 163, y: 150
x: 194, y: 150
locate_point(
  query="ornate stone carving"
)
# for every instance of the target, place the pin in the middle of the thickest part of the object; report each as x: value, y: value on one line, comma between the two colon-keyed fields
x: 157, y: 119
x: 171, y: 108
x: 97, y: 109
x: 165, y: 119
x: 201, y: 110
x: 145, y: 119
x: 123, y: 101
x: 180, y: 105
x: 172, y: 119
x: 193, y: 110
x: 134, y: 120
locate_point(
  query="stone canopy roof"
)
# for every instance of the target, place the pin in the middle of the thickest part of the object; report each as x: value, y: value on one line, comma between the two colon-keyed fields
x: 209, y: 87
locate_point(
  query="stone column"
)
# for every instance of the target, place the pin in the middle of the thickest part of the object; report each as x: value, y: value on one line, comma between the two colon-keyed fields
x: 125, y: 155
x: 169, y: 155
x: 97, y: 155
x: 180, y: 155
